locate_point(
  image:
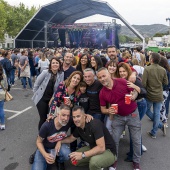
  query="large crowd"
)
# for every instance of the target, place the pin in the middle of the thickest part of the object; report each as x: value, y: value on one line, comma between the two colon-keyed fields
x: 96, y: 93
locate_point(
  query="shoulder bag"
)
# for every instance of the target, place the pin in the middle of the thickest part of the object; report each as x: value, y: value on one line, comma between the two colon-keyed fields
x: 8, y: 96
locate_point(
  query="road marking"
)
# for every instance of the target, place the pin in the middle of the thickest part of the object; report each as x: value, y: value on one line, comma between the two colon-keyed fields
x: 15, y: 88
x: 12, y: 111
x: 18, y: 113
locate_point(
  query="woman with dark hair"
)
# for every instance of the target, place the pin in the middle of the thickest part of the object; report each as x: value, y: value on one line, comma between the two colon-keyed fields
x: 125, y: 72
x: 83, y: 63
x: 104, y: 60
x: 112, y: 67
x: 163, y: 114
x: 45, y: 86
x: 3, y: 86
x: 96, y: 63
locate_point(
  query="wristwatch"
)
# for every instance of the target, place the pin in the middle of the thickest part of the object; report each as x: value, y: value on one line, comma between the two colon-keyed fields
x: 83, y: 155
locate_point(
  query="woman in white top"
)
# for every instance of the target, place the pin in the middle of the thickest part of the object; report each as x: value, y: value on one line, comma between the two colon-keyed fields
x: 43, y: 63
x: 139, y: 69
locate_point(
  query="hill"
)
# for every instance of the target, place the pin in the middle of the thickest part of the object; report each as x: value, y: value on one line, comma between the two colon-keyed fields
x: 145, y: 30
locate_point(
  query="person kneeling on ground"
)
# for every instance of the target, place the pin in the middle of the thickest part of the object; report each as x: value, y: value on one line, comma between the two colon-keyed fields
x: 49, y: 135
x: 101, y: 152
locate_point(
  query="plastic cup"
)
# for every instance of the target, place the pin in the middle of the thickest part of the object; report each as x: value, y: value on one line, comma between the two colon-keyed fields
x: 128, y: 98
x: 53, y: 153
x: 74, y: 162
x: 65, y: 99
x: 115, y: 107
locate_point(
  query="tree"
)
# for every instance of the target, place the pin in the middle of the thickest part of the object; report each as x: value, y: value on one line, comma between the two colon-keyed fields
x: 2, y: 20
x: 17, y: 17
x: 122, y: 39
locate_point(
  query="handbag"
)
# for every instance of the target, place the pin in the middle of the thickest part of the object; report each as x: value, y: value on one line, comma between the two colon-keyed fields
x: 8, y: 96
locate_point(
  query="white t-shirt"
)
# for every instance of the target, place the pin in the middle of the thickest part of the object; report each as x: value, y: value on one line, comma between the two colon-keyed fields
x: 139, y: 69
x: 43, y: 65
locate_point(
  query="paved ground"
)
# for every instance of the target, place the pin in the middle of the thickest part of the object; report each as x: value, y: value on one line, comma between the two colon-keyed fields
x: 17, y: 142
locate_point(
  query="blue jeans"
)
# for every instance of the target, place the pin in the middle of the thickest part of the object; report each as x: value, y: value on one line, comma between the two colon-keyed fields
x: 40, y: 162
x: 99, y: 116
x: 24, y: 82
x: 142, y: 108
x: 37, y: 72
x: 167, y: 105
x: 2, y: 114
x: 12, y: 76
x: 155, y: 115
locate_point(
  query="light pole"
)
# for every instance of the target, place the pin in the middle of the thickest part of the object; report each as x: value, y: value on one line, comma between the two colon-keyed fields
x: 168, y: 19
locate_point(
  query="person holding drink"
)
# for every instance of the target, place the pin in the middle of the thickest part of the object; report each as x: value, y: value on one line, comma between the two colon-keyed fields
x: 113, y: 92
x: 101, y: 152
x: 50, y: 133
x: 68, y: 93
x: 124, y: 72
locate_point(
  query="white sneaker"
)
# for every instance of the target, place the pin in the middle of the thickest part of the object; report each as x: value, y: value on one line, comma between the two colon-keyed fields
x: 2, y: 127
x: 111, y: 168
x: 144, y: 149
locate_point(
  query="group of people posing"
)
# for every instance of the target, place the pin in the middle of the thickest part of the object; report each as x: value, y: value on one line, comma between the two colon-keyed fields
x: 83, y: 97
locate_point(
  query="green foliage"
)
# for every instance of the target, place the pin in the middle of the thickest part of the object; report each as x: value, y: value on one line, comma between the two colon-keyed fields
x: 125, y: 39
x: 158, y: 34
x: 2, y: 20
x: 14, y: 18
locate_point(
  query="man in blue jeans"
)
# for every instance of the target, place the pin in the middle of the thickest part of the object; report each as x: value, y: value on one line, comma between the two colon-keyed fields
x: 153, y: 79
x: 50, y: 133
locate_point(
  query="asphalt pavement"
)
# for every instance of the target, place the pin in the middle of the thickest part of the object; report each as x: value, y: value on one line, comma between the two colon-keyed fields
x: 17, y: 141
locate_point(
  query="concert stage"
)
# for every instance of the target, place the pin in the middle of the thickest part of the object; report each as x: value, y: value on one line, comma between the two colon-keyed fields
x: 91, y: 35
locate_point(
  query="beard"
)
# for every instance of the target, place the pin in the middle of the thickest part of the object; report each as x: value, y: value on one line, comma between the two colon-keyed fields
x: 62, y: 123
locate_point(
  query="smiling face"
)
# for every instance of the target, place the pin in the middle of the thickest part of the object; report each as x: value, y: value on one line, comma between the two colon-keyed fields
x: 123, y: 73
x: 75, y: 80
x: 89, y: 77
x: 68, y: 58
x: 78, y: 118
x: 55, y: 65
x: 93, y: 62
x: 104, y: 78
x: 112, y: 53
x: 63, y: 117
x: 84, y: 60
x: 112, y: 68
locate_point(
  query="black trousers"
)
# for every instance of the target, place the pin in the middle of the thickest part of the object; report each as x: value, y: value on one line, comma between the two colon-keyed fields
x: 43, y: 110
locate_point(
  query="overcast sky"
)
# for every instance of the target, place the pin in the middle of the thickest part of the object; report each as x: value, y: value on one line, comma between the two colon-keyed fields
x: 143, y: 12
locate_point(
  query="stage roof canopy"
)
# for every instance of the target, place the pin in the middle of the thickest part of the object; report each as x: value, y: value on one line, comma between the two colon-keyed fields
x: 67, y: 12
